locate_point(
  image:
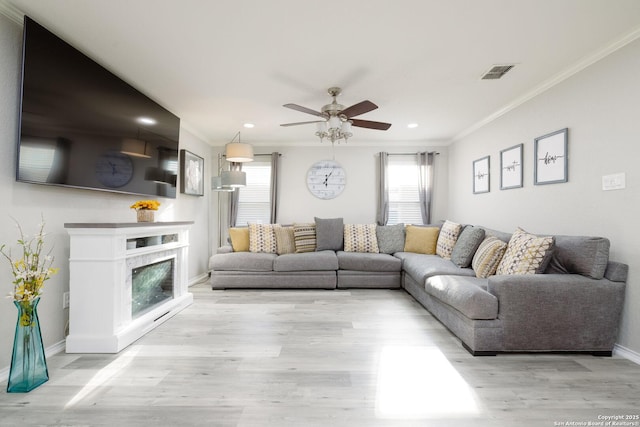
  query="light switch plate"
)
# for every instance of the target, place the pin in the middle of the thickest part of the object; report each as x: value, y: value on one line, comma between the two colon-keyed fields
x: 616, y: 181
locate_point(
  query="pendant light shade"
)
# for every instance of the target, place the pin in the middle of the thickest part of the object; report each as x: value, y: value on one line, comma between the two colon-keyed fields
x: 239, y: 152
x: 216, y: 184
x: 136, y: 148
x: 233, y: 179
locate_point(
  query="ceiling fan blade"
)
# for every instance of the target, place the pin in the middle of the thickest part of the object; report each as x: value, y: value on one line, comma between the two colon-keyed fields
x: 370, y: 125
x: 359, y: 108
x: 304, y: 109
x: 302, y: 123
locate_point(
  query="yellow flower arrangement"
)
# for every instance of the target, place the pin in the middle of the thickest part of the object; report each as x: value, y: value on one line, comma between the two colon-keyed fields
x: 151, y: 205
x: 32, y: 269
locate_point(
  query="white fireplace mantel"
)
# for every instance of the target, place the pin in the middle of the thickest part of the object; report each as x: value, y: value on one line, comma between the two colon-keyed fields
x: 102, y: 256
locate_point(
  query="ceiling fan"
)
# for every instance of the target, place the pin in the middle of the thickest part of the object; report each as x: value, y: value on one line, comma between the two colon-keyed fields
x: 338, y: 118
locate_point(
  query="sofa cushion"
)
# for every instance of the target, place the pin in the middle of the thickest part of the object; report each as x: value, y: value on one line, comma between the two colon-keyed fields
x: 421, y: 240
x: 488, y: 256
x: 583, y: 255
x: 262, y: 238
x: 421, y: 266
x: 467, y: 245
x: 368, y: 261
x: 447, y: 237
x: 526, y: 254
x: 468, y: 295
x: 390, y: 238
x: 309, y: 261
x: 285, y: 240
x: 242, y: 261
x: 305, y: 237
x: 239, y: 237
x: 329, y: 234
x: 360, y: 238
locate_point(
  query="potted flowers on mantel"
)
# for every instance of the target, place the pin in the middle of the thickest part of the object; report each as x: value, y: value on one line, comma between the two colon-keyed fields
x: 145, y: 209
x: 31, y: 268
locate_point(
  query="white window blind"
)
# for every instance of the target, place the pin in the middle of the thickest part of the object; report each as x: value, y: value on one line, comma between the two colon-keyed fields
x: 254, y: 201
x: 404, y: 197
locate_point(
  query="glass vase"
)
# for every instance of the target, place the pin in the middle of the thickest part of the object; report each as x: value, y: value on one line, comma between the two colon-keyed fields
x: 28, y: 364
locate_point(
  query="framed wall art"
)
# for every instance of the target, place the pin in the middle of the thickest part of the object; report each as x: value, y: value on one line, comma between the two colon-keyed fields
x: 481, y: 175
x: 511, y: 167
x: 191, y: 174
x: 551, y: 159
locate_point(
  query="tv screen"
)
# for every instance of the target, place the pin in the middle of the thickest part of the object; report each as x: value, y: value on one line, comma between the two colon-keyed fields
x: 81, y: 126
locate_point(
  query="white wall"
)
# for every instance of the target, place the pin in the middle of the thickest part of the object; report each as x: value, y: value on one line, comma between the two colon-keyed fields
x: 27, y: 202
x: 357, y: 203
x: 600, y: 107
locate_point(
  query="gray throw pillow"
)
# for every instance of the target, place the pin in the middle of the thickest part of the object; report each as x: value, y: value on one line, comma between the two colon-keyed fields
x: 466, y: 246
x: 390, y: 238
x: 329, y: 234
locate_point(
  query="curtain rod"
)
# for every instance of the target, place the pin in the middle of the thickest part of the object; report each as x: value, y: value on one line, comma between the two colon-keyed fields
x: 263, y: 155
x: 411, y: 154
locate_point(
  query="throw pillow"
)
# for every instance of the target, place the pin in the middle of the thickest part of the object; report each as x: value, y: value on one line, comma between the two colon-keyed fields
x: 390, y: 238
x: 526, y: 254
x: 329, y: 234
x: 488, y: 257
x: 466, y: 246
x: 285, y: 240
x: 447, y: 238
x: 360, y: 238
x: 239, y: 239
x: 262, y: 238
x: 305, y: 237
x: 421, y: 240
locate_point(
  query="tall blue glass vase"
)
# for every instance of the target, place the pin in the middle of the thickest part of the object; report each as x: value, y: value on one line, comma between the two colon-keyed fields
x: 28, y: 364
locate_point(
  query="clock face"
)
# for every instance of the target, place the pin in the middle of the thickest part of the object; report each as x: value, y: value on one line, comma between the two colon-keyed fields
x: 114, y: 169
x: 326, y: 179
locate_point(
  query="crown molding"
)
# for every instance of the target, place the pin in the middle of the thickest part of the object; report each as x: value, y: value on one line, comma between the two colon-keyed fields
x: 553, y: 81
x: 10, y: 11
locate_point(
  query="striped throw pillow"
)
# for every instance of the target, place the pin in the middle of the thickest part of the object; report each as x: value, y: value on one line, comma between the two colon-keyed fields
x: 488, y: 256
x: 305, y: 237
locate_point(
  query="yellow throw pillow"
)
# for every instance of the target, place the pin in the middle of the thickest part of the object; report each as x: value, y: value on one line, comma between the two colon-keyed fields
x: 239, y: 239
x: 421, y: 240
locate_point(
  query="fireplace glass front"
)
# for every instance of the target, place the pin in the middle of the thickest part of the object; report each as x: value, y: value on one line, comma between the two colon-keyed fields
x: 152, y: 285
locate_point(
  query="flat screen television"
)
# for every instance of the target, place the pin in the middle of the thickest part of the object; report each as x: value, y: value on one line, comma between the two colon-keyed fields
x: 81, y: 126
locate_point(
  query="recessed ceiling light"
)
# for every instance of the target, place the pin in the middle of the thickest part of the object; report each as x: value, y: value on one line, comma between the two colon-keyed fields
x: 412, y: 125
x: 146, y: 120
x: 248, y: 125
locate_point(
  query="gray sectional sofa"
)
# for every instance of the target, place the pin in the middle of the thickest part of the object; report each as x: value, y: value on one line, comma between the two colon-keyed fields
x: 574, y: 306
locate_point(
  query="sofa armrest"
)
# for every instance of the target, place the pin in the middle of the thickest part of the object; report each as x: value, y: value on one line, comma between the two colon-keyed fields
x: 226, y: 249
x: 558, y: 311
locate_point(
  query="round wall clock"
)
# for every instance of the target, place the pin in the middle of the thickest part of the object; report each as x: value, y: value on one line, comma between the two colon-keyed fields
x: 326, y: 179
x: 114, y: 169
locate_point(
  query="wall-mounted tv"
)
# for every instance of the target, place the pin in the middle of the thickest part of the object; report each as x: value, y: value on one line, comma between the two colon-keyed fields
x: 81, y: 126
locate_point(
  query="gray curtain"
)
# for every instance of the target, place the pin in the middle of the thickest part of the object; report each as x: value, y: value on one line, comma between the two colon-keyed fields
x: 382, y: 216
x: 275, y: 156
x: 234, y: 196
x: 425, y: 185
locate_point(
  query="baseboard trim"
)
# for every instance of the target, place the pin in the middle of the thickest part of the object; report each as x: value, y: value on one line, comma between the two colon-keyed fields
x: 48, y: 352
x: 628, y: 354
x: 199, y: 279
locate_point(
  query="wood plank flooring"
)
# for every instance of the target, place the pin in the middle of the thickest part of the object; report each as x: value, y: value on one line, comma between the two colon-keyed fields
x: 319, y: 358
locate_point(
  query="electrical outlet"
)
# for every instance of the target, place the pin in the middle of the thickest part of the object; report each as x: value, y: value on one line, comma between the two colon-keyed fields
x: 65, y: 300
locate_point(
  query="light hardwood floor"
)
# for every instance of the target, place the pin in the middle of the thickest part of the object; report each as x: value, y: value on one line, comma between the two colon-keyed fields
x: 319, y: 358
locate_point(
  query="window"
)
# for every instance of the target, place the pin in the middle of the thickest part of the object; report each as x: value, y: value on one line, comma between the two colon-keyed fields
x: 254, y: 200
x: 404, y: 196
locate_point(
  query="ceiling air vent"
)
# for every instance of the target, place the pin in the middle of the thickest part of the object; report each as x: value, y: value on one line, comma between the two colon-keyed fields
x: 496, y: 72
